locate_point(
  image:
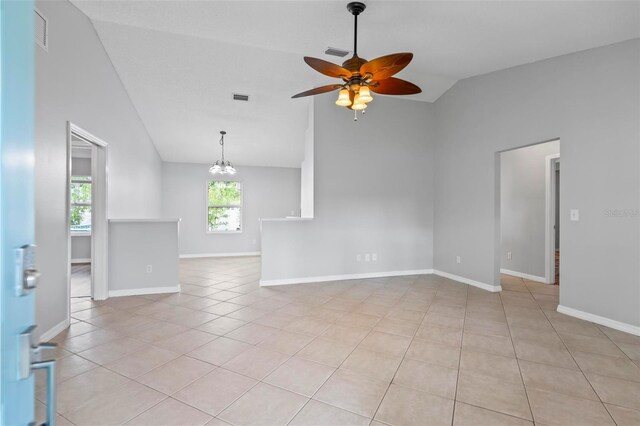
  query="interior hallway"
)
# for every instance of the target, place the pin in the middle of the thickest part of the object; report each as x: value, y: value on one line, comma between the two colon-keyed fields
x: 404, y: 350
x: 81, y: 280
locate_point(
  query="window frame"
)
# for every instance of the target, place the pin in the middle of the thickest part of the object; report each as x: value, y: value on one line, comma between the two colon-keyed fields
x: 90, y: 205
x: 240, y: 206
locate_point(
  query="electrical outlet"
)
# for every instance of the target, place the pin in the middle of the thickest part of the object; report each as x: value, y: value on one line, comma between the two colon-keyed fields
x: 358, y: 257
x: 574, y: 215
x: 149, y: 269
x: 458, y: 259
x: 508, y: 255
x: 374, y: 257
x: 367, y: 257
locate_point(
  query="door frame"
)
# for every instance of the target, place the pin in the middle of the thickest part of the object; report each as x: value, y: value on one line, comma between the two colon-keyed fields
x: 550, y: 217
x: 99, y: 223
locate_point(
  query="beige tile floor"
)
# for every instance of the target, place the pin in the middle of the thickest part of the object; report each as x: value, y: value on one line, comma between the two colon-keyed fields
x: 420, y: 350
x: 81, y: 280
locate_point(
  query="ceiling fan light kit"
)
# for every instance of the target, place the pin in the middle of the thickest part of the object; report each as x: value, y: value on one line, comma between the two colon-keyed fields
x: 222, y: 167
x: 361, y: 77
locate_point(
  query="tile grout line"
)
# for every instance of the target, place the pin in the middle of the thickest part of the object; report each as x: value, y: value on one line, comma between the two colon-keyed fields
x: 338, y: 368
x: 580, y: 368
x: 516, y: 353
x: 404, y: 354
x: 464, y: 321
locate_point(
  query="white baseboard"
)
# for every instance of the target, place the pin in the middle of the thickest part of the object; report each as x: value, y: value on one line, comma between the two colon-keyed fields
x: 54, y: 331
x: 239, y: 254
x: 529, y: 277
x: 607, y: 322
x: 87, y: 260
x: 287, y: 281
x: 143, y: 291
x: 487, y: 287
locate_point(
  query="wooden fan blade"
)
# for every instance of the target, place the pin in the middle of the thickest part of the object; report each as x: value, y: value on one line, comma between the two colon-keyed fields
x: 394, y: 86
x: 318, y: 90
x: 386, y: 66
x: 327, y: 68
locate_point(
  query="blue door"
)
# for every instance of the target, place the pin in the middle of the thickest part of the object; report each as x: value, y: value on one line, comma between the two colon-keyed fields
x: 16, y: 198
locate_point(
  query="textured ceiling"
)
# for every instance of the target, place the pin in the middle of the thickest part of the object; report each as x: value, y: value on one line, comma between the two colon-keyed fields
x: 181, y: 61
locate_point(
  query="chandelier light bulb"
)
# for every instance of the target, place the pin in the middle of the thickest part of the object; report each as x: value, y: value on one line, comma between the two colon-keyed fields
x: 343, y: 98
x: 364, y: 95
x: 358, y: 106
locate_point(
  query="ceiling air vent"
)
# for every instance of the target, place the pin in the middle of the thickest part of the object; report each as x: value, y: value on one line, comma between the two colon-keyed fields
x: 41, y: 28
x: 336, y: 52
x: 238, y: 97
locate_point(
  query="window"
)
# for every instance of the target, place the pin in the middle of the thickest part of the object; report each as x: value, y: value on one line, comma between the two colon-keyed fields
x: 80, y: 217
x: 224, y: 206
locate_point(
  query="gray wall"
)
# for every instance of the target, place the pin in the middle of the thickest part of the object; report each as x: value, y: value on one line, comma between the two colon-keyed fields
x: 373, y: 194
x: 76, y: 82
x: 136, y: 245
x: 80, y: 166
x: 268, y: 192
x: 591, y: 101
x: 523, y: 208
x: 80, y: 247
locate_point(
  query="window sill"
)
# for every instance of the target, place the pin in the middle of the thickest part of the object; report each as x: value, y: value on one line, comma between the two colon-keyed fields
x: 224, y: 232
x: 80, y: 234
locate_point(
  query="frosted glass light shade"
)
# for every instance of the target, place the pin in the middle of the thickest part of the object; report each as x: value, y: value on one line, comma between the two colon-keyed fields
x: 343, y: 98
x: 364, y: 95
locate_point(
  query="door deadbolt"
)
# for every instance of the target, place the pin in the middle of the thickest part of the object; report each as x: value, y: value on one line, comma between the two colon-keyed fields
x: 26, y: 273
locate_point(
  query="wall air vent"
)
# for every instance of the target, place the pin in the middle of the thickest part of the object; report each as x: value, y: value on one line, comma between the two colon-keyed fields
x: 336, y: 52
x: 41, y: 28
x: 238, y: 97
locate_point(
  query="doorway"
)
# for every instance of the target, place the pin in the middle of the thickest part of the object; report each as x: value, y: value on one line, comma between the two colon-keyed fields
x: 529, y: 204
x: 86, y: 216
x: 80, y: 219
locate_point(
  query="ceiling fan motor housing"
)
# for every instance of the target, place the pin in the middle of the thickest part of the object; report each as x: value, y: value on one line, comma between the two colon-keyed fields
x: 354, y: 63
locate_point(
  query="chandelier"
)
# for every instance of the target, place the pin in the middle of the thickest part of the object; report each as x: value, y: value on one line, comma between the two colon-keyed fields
x: 222, y: 167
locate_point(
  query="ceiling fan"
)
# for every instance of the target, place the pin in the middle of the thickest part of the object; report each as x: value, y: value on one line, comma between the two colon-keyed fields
x: 361, y: 77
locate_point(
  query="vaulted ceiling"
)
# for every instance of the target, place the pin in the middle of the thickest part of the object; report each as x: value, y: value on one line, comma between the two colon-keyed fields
x: 181, y: 61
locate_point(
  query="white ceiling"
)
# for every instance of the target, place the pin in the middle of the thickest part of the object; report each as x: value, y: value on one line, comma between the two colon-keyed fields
x: 181, y: 61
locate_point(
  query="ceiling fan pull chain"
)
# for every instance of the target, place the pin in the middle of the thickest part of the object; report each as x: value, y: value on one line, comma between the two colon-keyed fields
x: 355, y: 115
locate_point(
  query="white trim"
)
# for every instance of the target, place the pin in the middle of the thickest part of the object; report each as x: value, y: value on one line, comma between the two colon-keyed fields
x: 525, y: 276
x: 143, y: 291
x: 284, y: 219
x: 85, y: 260
x: 88, y: 137
x: 616, y: 325
x: 239, y: 254
x: 319, y: 279
x: 483, y: 286
x: 550, y: 218
x: 99, y: 224
x: 157, y: 220
x: 55, y: 330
